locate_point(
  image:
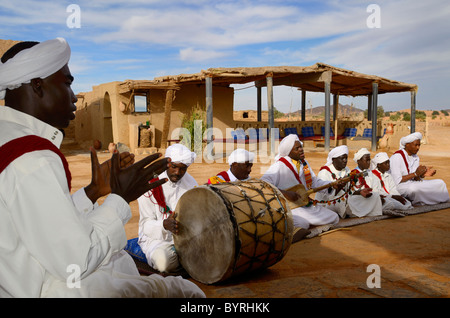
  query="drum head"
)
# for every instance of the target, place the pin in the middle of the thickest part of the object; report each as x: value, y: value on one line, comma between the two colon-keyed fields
x: 205, y: 242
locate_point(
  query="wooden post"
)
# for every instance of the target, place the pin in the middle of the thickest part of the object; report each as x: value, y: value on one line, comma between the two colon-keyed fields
x: 303, y: 105
x: 258, y: 102
x: 209, y: 117
x: 327, y: 115
x: 336, y: 117
x: 167, y: 115
x: 269, y: 80
x: 374, y: 115
x: 413, y: 111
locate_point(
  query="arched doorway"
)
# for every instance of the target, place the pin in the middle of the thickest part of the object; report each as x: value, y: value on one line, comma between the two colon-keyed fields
x: 107, y: 121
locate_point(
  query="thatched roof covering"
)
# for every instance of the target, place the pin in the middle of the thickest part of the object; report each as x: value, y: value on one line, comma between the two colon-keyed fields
x: 309, y: 78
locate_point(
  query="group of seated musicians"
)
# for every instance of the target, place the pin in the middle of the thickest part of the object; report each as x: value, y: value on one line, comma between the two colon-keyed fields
x: 378, y: 185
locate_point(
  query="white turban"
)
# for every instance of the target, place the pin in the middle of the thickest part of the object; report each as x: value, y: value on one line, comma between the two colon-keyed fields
x: 180, y: 153
x: 410, y: 138
x: 286, y: 145
x: 39, y: 61
x: 378, y: 158
x: 361, y: 152
x: 336, y: 152
x: 240, y: 156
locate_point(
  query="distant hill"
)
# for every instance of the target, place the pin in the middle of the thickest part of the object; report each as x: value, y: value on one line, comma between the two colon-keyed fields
x: 344, y: 110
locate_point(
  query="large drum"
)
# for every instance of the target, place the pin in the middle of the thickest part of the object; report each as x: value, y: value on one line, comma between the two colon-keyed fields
x: 232, y: 228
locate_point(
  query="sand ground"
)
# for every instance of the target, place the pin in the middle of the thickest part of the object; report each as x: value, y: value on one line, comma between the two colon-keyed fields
x: 412, y: 253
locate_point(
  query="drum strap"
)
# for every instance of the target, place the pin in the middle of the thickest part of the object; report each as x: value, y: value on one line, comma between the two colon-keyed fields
x: 158, y: 194
x: 404, y: 158
x: 291, y: 168
x: 15, y: 148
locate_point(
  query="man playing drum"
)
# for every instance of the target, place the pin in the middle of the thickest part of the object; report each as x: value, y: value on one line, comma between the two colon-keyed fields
x: 290, y: 169
x: 157, y: 222
x: 54, y: 243
x: 409, y: 175
x: 241, y: 162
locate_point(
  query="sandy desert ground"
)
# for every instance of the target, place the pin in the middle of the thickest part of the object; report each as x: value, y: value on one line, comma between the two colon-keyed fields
x: 412, y: 252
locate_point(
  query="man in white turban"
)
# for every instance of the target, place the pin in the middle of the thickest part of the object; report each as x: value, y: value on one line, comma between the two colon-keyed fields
x: 240, y: 162
x: 157, y: 223
x: 290, y: 169
x: 383, y: 183
x: 55, y: 243
x: 409, y: 174
x: 364, y: 201
x: 357, y: 204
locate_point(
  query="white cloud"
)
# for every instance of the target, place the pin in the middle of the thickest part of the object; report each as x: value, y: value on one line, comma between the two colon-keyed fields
x: 193, y: 55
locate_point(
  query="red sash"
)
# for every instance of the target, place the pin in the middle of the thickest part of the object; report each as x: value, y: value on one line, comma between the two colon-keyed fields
x: 378, y: 174
x: 20, y: 146
x: 224, y: 175
x: 404, y: 158
x: 361, y: 179
x: 329, y: 170
x: 291, y: 168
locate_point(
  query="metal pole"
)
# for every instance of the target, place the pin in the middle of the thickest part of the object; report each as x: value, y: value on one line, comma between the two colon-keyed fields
x: 374, y: 115
x: 269, y: 80
x: 413, y: 111
x: 303, y: 105
x: 209, y: 113
x: 327, y: 116
x: 258, y: 102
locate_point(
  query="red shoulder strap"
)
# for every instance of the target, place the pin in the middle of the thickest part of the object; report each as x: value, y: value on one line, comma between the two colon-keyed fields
x: 325, y: 168
x: 378, y: 174
x: 224, y: 175
x: 20, y: 146
x: 291, y: 168
x: 361, y: 179
x: 404, y: 158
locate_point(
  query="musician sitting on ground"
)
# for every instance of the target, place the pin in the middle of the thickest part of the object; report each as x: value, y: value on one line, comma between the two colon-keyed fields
x: 290, y: 169
x: 409, y: 174
x: 241, y: 162
x: 361, y: 202
x: 157, y: 222
x: 55, y: 244
x: 383, y: 183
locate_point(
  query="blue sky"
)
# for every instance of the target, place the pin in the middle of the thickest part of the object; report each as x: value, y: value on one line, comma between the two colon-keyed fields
x: 138, y: 39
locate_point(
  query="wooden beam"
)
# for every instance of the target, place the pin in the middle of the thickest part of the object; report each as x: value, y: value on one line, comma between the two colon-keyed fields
x: 128, y: 86
x: 291, y: 80
x: 170, y: 96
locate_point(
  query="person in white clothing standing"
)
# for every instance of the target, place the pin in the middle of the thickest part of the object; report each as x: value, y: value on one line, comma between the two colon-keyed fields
x: 157, y: 222
x: 409, y: 175
x: 54, y: 244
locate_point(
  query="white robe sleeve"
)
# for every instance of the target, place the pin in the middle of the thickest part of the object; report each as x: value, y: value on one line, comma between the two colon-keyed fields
x: 397, y: 168
x: 50, y: 225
